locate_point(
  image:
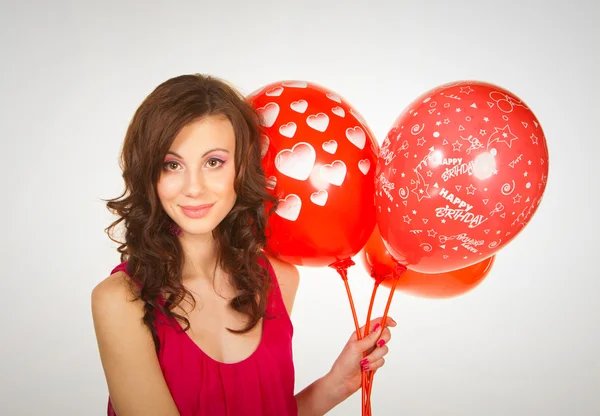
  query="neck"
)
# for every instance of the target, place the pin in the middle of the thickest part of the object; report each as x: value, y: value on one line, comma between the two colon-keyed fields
x: 200, y: 257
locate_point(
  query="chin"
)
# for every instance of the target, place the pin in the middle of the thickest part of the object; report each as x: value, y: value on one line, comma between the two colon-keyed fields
x: 200, y: 226
x: 198, y: 229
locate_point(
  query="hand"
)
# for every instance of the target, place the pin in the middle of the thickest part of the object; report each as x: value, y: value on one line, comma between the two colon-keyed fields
x: 346, y: 372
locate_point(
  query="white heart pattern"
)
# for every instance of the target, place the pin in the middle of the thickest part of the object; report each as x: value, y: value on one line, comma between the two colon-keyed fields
x: 298, y: 162
x: 364, y: 166
x: 338, y: 111
x: 319, y: 198
x: 274, y: 92
x: 288, y: 130
x: 271, y: 182
x: 268, y: 114
x: 318, y: 121
x: 289, y: 208
x: 295, y: 84
x: 334, y: 98
x: 330, y: 146
x: 299, y: 106
x: 264, y: 144
x: 334, y: 173
x: 357, y: 136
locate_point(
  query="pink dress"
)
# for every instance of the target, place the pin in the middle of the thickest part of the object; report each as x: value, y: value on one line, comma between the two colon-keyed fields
x: 262, y: 384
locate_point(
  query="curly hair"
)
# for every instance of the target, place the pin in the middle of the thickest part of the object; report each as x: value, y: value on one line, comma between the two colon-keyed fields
x: 153, y: 254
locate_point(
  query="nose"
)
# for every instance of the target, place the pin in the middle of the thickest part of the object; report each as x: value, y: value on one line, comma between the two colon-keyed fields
x: 194, y: 184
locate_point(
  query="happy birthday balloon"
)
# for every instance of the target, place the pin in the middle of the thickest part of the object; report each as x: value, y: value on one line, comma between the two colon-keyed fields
x: 460, y: 174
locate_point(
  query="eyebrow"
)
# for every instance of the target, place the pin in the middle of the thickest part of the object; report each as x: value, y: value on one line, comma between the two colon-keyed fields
x: 205, y: 153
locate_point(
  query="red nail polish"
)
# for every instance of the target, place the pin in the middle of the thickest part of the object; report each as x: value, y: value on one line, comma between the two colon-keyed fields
x: 380, y: 343
x: 365, y: 368
x: 376, y: 327
x: 363, y: 362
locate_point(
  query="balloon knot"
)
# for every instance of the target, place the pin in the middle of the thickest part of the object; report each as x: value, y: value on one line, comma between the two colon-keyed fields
x: 400, y: 269
x: 342, y: 264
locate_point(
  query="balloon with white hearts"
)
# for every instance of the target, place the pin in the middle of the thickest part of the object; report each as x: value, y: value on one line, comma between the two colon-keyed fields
x: 320, y: 156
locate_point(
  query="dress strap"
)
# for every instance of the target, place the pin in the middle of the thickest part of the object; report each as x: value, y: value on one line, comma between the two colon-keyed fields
x: 120, y: 268
x: 123, y: 267
x: 275, y: 304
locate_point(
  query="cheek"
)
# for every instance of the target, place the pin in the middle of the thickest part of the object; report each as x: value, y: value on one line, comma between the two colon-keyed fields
x: 224, y: 186
x: 169, y: 187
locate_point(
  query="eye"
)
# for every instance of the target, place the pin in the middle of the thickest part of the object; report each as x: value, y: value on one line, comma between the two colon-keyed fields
x: 171, y: 165
x: 214, y: 162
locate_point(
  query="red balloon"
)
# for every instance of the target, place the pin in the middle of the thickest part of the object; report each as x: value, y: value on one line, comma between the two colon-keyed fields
x: 320, y: 157
x: 459, y: 175
x: 376, y: 258
x: 380, y: 265
x: 446, y: 284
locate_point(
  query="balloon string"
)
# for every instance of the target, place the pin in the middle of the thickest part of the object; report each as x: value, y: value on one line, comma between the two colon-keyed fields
x: 368, y: 410
x: 375, y: 287
x: 354, y: 316
x: 398, y: 271
x: 341, y: 266
x: 364, y: 382
x: 385, y: 314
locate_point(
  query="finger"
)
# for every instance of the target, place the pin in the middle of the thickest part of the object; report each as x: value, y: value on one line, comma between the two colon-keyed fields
x: 373, y: 325
x: 389, y: 321
x: 384, y: 339
x: 370, y: 340
x: 374, y: 322
x: 376, y: 338
x: 374, y: 365
x: 377, y: 354
x: 386, y: 336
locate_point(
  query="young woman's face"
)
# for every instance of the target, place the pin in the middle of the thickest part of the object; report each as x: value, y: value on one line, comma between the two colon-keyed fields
x: 196, y: 184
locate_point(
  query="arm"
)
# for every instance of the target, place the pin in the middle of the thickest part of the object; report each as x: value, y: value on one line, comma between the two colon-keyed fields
x: 321, y: 396
x: 134, y: 378
x: 344, y: 378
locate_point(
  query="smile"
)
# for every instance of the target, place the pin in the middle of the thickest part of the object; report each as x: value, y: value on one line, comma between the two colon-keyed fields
x: 197, y: 211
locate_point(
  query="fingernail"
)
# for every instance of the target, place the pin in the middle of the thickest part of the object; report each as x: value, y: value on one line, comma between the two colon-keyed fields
x: 363, y: 362
x: 365, y: 368
x: 380, y: 343
x: 376, y: 327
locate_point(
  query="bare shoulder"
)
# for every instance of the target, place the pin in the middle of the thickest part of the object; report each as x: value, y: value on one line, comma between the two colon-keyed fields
x: 115, y: 284
x: 114, y: 295
x: 288, y: 278
x: 135, y: 382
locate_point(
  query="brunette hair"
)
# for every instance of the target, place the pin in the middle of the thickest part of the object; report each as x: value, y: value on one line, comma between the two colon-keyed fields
x: 153, y: 253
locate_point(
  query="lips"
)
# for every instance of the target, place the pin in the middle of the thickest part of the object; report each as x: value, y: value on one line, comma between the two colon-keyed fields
x: 196, y: 207
x: 196, y: 211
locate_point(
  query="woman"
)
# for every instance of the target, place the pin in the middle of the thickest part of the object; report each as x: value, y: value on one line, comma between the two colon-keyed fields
x: 196, y: 319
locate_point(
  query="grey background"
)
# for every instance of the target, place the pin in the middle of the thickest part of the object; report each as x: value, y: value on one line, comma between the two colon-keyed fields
x: 524, y: 343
